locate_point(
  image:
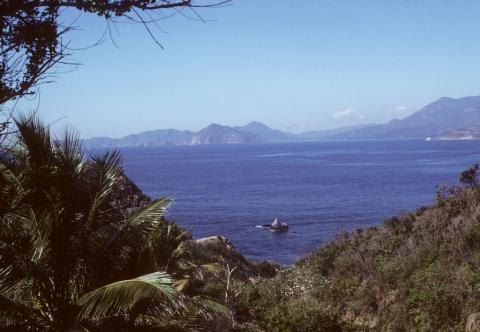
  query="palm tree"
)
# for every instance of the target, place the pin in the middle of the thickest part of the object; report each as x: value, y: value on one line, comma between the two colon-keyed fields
x: 66, y: 248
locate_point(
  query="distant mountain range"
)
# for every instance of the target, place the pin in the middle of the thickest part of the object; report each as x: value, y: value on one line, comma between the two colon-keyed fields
x: 446, y: 118
x: 213, y: 134
x: 433, y: 120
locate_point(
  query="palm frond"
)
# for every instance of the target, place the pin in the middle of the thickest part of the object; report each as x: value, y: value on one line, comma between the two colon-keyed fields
x: 69, y: 151
x: 208, y: 306
x: 143, y: 221
x: 9, y: 281
x: 107, y: 169
x: 45, y: 225
x: 11, y: 190
x: 122, y: 296
x: 7, y: 175
x: 34, y: 136
x: 201, y: 314
x: 12, y: 287
x: 175, y: 233
x: 182, y: 283
x: 19, y: 316
x: 148, y: 217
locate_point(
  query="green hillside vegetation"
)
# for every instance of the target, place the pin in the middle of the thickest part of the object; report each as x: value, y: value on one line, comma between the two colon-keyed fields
x: 420, y: 271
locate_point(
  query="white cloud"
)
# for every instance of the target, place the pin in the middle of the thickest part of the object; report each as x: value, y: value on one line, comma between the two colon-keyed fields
x: 339, y: 115
x: 401, y: 109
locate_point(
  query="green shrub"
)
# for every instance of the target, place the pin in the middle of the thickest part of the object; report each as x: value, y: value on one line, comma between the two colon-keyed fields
x: 434, y: 301
x: 303, y: 315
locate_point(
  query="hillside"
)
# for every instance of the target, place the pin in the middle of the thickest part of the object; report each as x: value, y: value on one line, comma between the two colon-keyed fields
x: 433, y: 120
x: 417, y: 272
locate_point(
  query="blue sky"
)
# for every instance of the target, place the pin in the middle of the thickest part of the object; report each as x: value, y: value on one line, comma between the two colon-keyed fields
x: 295, y: 65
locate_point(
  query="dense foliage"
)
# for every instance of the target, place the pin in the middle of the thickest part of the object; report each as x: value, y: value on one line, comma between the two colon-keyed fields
x: 81, y: 247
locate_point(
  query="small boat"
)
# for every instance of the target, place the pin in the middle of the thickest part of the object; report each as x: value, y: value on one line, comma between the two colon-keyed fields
x: 278, y: 226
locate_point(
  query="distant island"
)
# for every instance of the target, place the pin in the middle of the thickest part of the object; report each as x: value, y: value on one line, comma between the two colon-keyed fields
x: 446, y: 118
x: 254, y: 132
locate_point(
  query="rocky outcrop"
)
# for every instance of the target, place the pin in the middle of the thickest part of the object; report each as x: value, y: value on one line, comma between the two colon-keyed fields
x: 218, y: 249
x: 215, y: 241
x: 128, y: 196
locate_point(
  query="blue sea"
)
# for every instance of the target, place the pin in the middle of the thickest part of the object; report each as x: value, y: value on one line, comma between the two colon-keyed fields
x: 318, y: 188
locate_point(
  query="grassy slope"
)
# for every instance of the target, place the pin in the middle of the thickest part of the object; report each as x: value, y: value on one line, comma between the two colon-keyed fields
x: 418, y: 272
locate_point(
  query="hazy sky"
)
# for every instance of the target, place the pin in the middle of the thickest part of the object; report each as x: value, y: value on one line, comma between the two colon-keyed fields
x: 295, y: 65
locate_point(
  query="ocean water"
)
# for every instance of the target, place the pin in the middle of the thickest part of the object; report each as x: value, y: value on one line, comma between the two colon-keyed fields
x: 318, y: 188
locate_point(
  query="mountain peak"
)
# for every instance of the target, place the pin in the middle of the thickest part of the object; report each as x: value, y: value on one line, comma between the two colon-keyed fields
x: 266, y: 133
x: 445, y: 99
x: 468, y: 100
x: 214, y: 126
x: 218, y: 134
x: 448, y: 104
x: 256, y: 124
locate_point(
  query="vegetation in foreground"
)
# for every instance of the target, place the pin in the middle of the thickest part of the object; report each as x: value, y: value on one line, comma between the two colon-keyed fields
x: 81, y: 248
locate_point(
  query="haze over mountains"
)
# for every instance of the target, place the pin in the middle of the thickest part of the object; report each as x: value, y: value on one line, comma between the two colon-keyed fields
x: 213, y: 134
x: 435, y: 120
